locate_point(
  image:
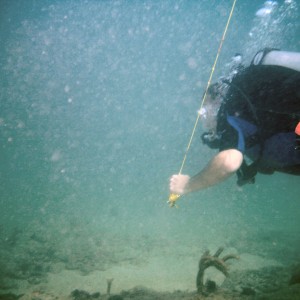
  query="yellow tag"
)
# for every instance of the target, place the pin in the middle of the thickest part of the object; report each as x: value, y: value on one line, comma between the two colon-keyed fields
x: 172, y: 199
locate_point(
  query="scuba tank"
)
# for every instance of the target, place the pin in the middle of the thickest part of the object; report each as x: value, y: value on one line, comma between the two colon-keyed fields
x: 277, y: 57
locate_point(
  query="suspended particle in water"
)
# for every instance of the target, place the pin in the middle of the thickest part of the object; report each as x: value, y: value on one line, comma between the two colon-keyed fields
x: 67, y: 89
x: 192, y: 63
x: 56, y: 156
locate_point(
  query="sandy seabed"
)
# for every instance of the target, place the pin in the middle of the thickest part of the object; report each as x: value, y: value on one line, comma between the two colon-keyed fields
x: 162, y: 276
x: 42, y: 264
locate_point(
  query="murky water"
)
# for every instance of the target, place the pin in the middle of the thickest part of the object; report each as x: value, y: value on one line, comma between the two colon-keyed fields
x: 97, y: 103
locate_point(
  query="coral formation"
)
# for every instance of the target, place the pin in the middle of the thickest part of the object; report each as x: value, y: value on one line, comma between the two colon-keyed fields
x: 83, y: 295
x: 295, y: 278
x: 109, y: 284
x: 207, y: 261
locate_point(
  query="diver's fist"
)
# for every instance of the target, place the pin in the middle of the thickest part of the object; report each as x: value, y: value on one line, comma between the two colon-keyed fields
x: 179, y: 184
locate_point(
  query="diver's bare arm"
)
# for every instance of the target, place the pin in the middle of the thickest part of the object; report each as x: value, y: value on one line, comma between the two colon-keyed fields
x: 221, y: 166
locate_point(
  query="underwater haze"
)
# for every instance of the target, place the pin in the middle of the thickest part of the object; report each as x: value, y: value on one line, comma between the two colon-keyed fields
x: 97, y: 103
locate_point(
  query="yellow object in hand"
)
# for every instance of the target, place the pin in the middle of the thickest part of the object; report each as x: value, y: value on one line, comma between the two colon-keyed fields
x: 172, y: 199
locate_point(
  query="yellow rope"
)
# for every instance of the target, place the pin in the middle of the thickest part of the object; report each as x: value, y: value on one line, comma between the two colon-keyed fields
x: 174, y: 197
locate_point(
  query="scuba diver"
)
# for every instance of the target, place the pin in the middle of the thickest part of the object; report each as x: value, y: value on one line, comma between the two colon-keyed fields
x: 253, y: 118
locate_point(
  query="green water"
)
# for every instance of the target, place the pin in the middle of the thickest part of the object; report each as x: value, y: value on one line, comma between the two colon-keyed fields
x: 97, y: 103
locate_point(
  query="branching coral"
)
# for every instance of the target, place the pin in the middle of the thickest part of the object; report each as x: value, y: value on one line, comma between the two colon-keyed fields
x: 207, y: 261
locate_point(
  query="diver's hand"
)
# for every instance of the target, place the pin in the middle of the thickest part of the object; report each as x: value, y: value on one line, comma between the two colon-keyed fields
x: 179, y: 184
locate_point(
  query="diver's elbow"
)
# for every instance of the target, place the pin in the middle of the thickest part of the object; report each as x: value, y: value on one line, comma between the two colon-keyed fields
x: 232, y: 160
